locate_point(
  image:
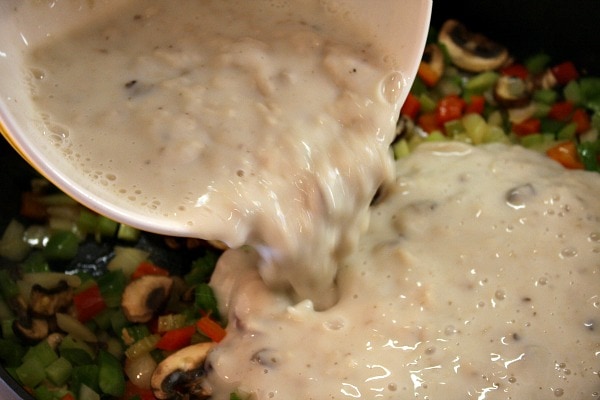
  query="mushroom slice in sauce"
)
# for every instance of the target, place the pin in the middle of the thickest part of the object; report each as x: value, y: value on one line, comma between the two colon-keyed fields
x: 471, y: 51
x: 182, y: 373
x: 144, y: 296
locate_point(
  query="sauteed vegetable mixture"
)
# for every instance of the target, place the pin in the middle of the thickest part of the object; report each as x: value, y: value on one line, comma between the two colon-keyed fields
x: 90, y: 308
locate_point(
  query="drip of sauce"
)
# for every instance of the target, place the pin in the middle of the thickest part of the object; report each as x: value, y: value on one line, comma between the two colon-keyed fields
x: 256, y: 123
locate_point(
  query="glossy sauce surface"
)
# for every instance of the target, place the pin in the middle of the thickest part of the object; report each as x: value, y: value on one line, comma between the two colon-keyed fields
x: 478, y: 278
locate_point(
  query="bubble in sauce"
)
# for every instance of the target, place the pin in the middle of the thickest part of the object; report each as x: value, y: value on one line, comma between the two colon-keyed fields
x: 391, y: 87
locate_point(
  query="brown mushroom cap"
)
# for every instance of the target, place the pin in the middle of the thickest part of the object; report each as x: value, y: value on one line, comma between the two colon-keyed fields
x: 145, y: 296
x: 182, y: 370
x: 470, y: 51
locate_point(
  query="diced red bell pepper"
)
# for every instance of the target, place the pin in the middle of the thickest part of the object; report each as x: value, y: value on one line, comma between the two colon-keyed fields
x: 428, y: 122
x: 68, y: 396
x: 176, y: 339
x: 527, y: 127
x: 89, y: 303
x: 561, y: 111
x: 211, y: 329
x: 450, y: 108
x: 134, y: 392
x: 566, y: 154
x: 427, y: 74
x: 475, y: 105
x: 411, y: 107
x: 515, y: 70
x: 582, y: 120
x: 565, y: 72
x: 147, y: 268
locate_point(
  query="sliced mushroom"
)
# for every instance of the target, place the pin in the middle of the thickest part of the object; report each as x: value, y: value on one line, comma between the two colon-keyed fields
x: 471, y: 51
x: 182, y: 373
x: 47, y: 302
x: 512, y: 91
x: 145, y: 296
x: 31, y: 330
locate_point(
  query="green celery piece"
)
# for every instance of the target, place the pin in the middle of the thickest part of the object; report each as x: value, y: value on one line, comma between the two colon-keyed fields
x: 546, y: 96
x: 87, y: 221
x: 428, y: 104
x: 435, y: 136
x: 118, y: 321
x: 567, y: 132
x: 42, y: 352
x: 482, y: 82
x: 111, y: 378
x: 31, y: 372
x: 128, y: 233
x: 106, y: 226
x: 572, y: 92
x: 59, y: 371
x: 137, y: 332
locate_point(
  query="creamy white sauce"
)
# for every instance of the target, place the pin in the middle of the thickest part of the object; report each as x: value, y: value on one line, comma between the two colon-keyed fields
x: 262, y: 123
x: 478, y: 278
x: 475, y: 276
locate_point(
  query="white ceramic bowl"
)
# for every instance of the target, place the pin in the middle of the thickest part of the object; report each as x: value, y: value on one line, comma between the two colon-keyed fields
x: 402, y: 27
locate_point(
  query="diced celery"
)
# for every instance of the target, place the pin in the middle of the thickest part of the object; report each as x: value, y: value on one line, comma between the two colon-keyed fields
x: 42, y: 352
x: 427, y: 103
x: 31, y: 372
x: 572, y: 92
x: 134, y: 333
x: 114, y: 347
x: 435, y: 136
x: 85, y: 376
x: 532, y: 141
x: 475, y: 126
x: 494, y: 134
x: 567, y: 132
x: 454, y: 127
x: 546, y: 96
x: 482, y: 82
x: 128, y: 233
x: 42, y: 392
x: 169, y: 322
x: 495, y: 118
x: 87, y: 221
x: 127, y: 259
x: 401, y: 149
x: 59, y: 371
x: 106, y: 226
x: 35, y: 262
x: 142, y: 346
x: 541, y: 110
